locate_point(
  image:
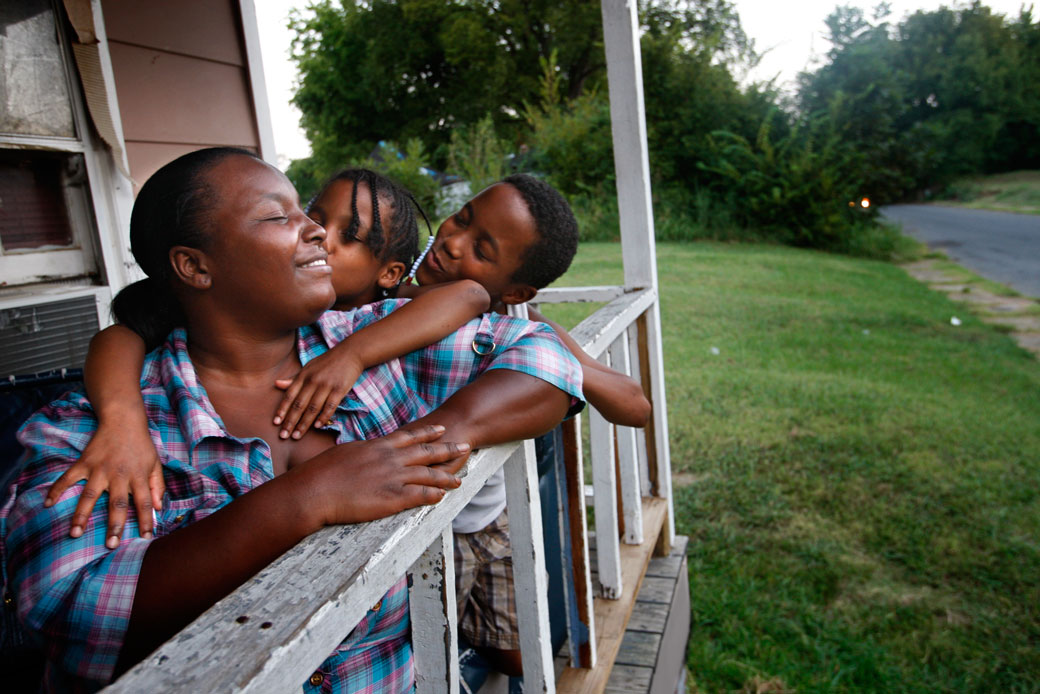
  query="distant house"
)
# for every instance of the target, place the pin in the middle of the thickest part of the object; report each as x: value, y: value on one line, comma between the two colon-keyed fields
x: 95, y: 95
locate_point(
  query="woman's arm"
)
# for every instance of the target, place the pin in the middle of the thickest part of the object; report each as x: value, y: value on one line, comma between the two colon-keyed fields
x: 312, y: 396
x: 121, y: 457
x: 500, y: 406
x: 187, y: 571
x: 617, y: 397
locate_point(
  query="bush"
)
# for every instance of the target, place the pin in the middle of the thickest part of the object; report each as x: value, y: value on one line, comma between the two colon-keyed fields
x: 478, y: 155
x: 571, y: 144
x: 409, y: 169
x: 795, y: 190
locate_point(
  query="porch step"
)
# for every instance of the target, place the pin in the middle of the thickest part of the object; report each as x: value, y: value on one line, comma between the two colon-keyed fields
x: 641, y: 638
x: 652, y: 656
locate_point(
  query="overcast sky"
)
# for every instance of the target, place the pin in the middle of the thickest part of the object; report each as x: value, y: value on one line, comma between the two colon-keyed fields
x: 789, y: 34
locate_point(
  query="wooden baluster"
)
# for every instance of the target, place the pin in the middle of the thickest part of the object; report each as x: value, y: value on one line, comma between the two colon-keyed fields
x: 434, y: 617
x: 636, y: 372
x: 604, y: 481
x: 652, y: 367
x: 582, y: 630
x: 529, y: 577
x: 628, y: 464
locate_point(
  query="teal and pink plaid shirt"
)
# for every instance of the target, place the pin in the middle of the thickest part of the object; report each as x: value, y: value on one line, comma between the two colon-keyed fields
x: 75, y: 595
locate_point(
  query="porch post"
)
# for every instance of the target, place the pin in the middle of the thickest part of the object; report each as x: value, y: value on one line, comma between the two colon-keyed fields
x: 632, y: 170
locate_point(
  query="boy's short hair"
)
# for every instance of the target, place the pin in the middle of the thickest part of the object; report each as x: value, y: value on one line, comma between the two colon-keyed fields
x: 557, y: 231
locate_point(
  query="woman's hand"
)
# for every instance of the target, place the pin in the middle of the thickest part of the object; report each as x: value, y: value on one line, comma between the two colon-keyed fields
x: 120, y: 459
x: 365, y: 480
x: 312, y: 395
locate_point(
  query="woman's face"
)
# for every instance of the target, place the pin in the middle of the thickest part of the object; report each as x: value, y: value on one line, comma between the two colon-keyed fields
x: 266, y: 261
x: 355, y: 268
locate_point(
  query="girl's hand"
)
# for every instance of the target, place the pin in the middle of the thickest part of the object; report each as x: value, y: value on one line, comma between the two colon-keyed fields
x: 312, y: 395
x: 120, y: 458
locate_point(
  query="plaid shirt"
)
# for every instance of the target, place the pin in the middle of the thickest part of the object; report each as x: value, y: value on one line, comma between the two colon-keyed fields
x: 75, y: 595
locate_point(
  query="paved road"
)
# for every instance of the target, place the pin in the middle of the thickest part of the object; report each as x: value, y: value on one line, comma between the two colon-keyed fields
x: 1000, y: 246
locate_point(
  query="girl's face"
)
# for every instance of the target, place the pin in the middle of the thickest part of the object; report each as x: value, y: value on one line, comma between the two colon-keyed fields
x: 357, y: 274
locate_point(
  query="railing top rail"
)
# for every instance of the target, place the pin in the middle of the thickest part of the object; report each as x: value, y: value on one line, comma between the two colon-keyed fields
x: 599, y: 330
x: 303, y: 604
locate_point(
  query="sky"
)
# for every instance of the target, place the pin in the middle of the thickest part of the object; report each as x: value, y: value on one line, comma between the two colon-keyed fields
x: 789, y: 35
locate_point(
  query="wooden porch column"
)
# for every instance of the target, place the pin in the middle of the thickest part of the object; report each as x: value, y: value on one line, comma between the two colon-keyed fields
x: 632, y: 170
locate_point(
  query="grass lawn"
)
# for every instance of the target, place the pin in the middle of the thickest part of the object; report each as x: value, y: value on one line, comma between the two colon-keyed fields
x: 859, y: 478
x: 1017, y: 191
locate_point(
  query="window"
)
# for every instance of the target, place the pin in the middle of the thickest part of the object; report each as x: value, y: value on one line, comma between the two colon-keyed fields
x: 46, y: 218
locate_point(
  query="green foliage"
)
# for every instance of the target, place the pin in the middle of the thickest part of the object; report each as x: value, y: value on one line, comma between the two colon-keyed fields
x: 571, y: 144
x: 478, y: 155
x: 940, y: 95
x: 898, y: 109
x: 390, y: 69
x: 409, y: 170
x: 308, y: 175
x: 794, y: 188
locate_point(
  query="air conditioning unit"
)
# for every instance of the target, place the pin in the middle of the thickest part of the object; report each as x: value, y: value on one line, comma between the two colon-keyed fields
x: 43, y: 332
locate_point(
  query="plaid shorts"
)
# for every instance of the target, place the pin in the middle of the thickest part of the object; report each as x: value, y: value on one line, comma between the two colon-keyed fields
x: 484, y: 586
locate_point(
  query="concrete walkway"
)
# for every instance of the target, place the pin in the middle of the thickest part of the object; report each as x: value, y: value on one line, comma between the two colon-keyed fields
x: 1018, y: 313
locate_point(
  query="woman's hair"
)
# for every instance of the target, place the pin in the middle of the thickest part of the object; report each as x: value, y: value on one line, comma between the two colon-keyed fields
x: 399, y: 238
x: 173, y: 208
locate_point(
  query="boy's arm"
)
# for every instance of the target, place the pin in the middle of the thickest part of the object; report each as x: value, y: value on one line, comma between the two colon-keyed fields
x: 616, y: 396
x: 312, y: 396
x: 121, y: 456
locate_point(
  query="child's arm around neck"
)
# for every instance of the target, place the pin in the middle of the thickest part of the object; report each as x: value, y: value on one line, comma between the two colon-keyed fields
x: 617, y: 397
x: 121, y: 457
x: 311, y: 397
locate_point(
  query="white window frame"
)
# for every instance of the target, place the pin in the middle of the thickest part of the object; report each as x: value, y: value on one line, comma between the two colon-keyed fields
x: 82, y: 259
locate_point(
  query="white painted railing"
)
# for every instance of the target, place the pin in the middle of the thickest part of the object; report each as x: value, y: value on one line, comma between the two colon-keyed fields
x: 275, y: 630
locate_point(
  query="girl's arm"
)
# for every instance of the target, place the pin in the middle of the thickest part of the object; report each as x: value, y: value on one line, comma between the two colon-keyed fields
x: 311, y: 397
x: 121, y: 457
x: 616, y: 396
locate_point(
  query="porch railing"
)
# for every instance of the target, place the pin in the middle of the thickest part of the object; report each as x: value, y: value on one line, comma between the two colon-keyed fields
x: 276, y: 629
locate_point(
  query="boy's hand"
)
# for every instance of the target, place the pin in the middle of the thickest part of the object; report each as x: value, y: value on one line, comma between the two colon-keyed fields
x: 312, y: 395
x: 120, y: 458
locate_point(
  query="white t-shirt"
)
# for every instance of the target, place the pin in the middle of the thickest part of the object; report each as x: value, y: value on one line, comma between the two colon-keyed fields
x: 491, y: 499
x: 484, y: 507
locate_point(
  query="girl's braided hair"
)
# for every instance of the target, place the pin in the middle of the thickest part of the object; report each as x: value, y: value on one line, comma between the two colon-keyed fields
x: 399, y: 239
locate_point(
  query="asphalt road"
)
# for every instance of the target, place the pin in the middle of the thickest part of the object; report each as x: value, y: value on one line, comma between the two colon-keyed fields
x: 1000, y: 246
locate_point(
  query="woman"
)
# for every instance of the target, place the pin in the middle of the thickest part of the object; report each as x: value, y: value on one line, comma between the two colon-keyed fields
x: 228, y: 249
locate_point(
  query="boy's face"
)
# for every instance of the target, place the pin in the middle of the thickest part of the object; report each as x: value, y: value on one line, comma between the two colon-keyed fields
x: 486, y: 241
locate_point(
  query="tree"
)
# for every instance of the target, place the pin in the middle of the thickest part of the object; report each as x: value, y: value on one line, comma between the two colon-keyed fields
x: 939, y: 95
x: 420, y: 68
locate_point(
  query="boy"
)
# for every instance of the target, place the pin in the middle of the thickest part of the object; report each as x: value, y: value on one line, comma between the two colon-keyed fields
x: 514, y: 238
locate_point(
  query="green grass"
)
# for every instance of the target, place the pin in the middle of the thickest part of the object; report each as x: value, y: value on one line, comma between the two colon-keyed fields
x: 859, y: 479
x: 1018, y: 191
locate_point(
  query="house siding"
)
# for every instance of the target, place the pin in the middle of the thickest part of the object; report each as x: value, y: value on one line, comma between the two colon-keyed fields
x: 181, y: 78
